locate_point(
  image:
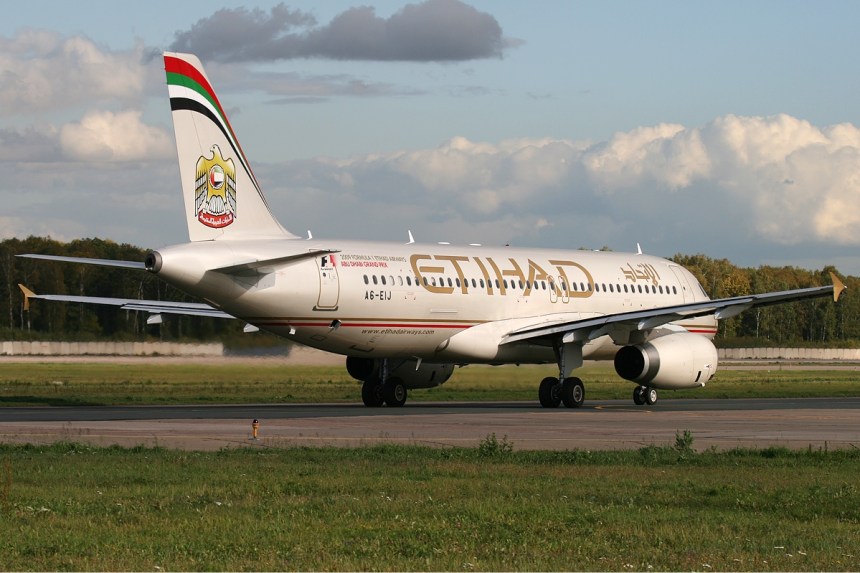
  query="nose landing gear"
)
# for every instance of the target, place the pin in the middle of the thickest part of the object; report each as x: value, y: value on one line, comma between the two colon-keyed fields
x: 644, y: 395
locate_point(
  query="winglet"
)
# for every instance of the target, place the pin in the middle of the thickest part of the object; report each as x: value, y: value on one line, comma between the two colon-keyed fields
x: 27, y: 295
x: 838, y: 287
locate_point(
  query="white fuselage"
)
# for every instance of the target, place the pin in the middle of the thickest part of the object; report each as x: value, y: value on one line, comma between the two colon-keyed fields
x: 435, y: 302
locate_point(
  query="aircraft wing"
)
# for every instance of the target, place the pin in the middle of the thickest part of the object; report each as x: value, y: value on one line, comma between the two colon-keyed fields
x: 587, y: 329
x: 150, y: 306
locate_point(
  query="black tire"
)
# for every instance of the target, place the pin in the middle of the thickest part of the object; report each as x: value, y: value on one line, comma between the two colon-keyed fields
x: 371, y: 394
x: 650, y: 396
x: 572, y: 392
x: 548, y: 393
x: 394, y: 393
x: 639, y: 395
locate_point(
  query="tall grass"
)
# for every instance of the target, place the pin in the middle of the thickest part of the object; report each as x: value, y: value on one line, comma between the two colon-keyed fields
x: 404, y: 508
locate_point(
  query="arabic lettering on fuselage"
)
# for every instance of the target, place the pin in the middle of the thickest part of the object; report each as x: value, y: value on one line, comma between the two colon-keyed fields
x: 642, y: 272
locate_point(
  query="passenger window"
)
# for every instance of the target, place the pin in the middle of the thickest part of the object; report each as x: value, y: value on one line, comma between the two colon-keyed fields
x: 400, y: 280
x: 425, y: 281
x: 640, y: 288
x: 481, y: 282
x: 408, y: 281
x: 611, y: 289
x: 382, y: 279
x: 374, y: 280
x: 366, y: 281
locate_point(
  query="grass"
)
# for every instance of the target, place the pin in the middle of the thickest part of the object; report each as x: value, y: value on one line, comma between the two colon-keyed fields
x: 67, y: 384
x: 73, y: 507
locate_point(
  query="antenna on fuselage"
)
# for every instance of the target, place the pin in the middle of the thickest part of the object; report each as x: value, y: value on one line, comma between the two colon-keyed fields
x: 638, y: 249
x: 310, y: 236
x: 411, y: 238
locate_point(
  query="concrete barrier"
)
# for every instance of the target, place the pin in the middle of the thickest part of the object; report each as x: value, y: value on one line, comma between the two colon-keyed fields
x: 41, y: 348
x: 806, y: 354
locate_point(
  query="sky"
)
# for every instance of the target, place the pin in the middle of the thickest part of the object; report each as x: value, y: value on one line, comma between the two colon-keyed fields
x: 724, y: 128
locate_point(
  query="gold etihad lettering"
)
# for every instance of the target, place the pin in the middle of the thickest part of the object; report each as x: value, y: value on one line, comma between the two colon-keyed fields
x: 589, y: 281
x: 426, y: 269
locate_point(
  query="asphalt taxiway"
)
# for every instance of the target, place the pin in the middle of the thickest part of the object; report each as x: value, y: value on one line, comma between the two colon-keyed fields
x: 831, y: 423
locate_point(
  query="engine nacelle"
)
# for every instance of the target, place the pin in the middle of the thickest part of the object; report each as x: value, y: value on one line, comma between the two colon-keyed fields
x: 425, y: 376
x: 679, y: 360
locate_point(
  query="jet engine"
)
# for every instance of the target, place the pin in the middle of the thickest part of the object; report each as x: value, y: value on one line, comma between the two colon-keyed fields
x: 678, y: 360
x: 424, y: 376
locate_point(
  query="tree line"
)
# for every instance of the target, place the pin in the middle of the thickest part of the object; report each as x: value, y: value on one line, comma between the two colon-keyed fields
x: 815, y: 322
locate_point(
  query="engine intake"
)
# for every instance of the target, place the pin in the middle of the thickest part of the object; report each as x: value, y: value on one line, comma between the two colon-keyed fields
x: 679, y: 360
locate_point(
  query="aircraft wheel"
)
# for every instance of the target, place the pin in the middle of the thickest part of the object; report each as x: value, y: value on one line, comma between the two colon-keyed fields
x: 371, y: 394
x: 394, y: 392
x: 572, y: 392
x: 548, y: 393
x: 650, y: 395
x: 638, y: 395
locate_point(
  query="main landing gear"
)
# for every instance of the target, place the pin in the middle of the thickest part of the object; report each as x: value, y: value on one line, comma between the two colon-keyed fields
x: 571, y: 392
x: 644, y: 395
x: 383, y: 390
x: 565, y: 389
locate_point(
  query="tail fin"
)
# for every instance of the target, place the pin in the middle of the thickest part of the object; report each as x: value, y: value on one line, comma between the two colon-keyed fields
x: 222, y: 197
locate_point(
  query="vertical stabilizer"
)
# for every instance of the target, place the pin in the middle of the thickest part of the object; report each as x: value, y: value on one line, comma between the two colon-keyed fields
x: 222, y: 197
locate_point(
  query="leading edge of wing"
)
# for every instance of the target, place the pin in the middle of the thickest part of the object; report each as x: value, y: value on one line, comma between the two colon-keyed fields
x: 150, y: 306
x: 100, y: 262
x: 590, y: 328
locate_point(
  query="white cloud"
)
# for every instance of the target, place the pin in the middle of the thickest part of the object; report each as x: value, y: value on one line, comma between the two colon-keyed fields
x: 725, y: 188
x: 44, y: 71
x: 777, y: 178
x: 108, y: 136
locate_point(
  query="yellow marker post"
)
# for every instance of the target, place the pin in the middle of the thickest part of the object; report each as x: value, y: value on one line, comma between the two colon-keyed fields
x: 255, y: 427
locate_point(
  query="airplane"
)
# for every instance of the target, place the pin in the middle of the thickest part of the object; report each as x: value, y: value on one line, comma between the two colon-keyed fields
x: 406, y: 314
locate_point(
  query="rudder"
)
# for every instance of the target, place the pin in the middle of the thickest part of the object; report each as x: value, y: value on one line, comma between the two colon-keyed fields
x: 222, y: 197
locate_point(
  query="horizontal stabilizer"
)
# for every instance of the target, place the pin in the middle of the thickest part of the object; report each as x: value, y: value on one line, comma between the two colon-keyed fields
x: 150, y: 306
x: 100, y: 262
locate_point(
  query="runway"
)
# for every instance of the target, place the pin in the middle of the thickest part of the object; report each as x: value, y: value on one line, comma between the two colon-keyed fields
x: 833, y: 423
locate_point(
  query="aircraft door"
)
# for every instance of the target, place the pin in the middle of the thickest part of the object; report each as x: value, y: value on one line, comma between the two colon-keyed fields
x: 686, y: 287
x: 329, y: 283
x: 553, y: 294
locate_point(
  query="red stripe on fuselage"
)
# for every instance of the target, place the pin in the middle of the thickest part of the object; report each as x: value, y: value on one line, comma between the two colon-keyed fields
x: 366, y: 325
